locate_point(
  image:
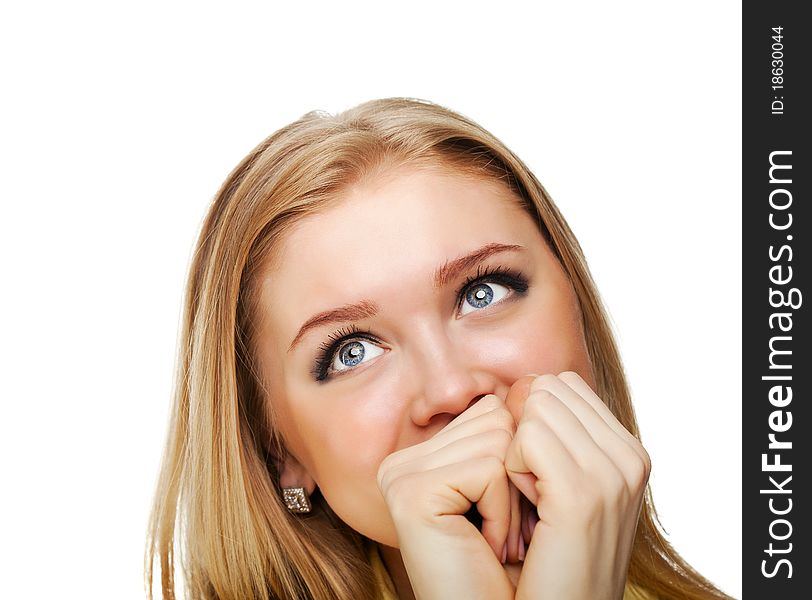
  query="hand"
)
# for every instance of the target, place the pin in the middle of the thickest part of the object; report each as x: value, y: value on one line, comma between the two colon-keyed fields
x: 428, y: 489
x: 586, y: 474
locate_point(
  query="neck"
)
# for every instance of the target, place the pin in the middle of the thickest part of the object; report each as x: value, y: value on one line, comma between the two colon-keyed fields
x: 397, y: 571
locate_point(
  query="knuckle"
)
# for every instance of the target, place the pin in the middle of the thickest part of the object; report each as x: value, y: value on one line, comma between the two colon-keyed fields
x: 383, y: 471
x: 502, y: 440
x: 613, y: 480
x: 527, y: 430
x: 388, y: 462
x: 535, y: 431
x: 542, y: 380
x: 388, y: 471
x: 543, y: 396
x: 616, y: 491
x: 400, y: 490
x: 570, y: 376
x: 646, y: 460
x: 637, y: 473
x: 619, y: 493
x: 641, y: 471
x: 597, y: 497
x: 494, y: 467
x: 539, y: 402
x: 621, y: 499
x: 384, y: 480
x: 503, y: 419
x: 491, y: 402
x: 639, y: 465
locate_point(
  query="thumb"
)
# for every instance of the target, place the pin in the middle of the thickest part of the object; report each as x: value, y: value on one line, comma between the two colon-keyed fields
x: 517, y: 395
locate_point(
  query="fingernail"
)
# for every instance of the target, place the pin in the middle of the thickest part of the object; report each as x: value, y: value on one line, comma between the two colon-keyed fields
x: 521, y: 549
x: 504, y: 553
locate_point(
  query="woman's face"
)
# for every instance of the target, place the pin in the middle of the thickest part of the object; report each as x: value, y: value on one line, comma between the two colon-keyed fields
x: 374, y: 281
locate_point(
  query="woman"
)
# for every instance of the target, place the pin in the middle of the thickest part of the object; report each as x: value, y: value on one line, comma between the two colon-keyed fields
x: 397, y: 380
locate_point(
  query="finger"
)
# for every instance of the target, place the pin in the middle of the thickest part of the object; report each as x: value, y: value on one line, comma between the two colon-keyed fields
x: 481, y: 481
x: 529, y: 520
x: 517, y: 395
x: 612, y: 437
x: 493, y: 506
x: 576, y: 382
x: 542, y: 405
x: 489, y: 443
x: 515, y: 530
x: 537, y: 455
x: 497, y: 419
x: 484, y: 405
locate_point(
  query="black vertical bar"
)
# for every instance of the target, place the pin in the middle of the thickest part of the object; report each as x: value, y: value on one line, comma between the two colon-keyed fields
x: 777, y: 561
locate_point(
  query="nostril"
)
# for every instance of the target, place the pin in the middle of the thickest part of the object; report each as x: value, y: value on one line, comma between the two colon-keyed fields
x: 475, y: 400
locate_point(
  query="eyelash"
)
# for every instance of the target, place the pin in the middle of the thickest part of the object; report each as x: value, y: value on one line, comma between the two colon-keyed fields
x: 514, y: 280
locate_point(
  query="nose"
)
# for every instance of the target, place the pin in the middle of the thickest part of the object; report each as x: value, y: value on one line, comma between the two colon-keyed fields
x: 446, y: 380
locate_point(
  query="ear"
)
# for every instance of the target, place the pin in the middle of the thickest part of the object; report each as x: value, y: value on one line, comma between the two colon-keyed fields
x: 293, y: 474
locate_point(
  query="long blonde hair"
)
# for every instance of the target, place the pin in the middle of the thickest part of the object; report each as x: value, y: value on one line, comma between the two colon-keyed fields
x: 217, y: 500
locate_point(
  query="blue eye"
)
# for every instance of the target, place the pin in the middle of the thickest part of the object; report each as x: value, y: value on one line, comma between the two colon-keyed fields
x: 482, y: 295
x: 489, y: 286
x: 353, y: 353
x: 343, y: 350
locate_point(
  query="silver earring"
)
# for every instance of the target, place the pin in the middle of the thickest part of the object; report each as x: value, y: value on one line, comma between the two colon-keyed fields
x: 296, y: 499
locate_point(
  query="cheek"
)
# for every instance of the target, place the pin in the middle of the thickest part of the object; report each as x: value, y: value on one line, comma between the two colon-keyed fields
x: 348, y: 435
x: 538, y: 341
x: 345, y: 447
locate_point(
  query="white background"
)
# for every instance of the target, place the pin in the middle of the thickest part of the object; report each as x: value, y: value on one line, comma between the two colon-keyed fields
x: 120, y: 120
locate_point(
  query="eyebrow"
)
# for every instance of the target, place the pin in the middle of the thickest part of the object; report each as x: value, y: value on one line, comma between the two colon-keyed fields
x: 365, y: 309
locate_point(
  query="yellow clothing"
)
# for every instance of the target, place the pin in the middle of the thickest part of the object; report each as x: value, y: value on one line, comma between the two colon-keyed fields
x: 386, y: 589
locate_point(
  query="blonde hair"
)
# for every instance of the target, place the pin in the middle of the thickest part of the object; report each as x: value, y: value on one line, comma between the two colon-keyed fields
x: 218, y: 499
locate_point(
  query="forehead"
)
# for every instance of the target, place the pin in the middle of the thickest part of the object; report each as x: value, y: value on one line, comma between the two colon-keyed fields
x: 408, y: 210
x: 381, y: 234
